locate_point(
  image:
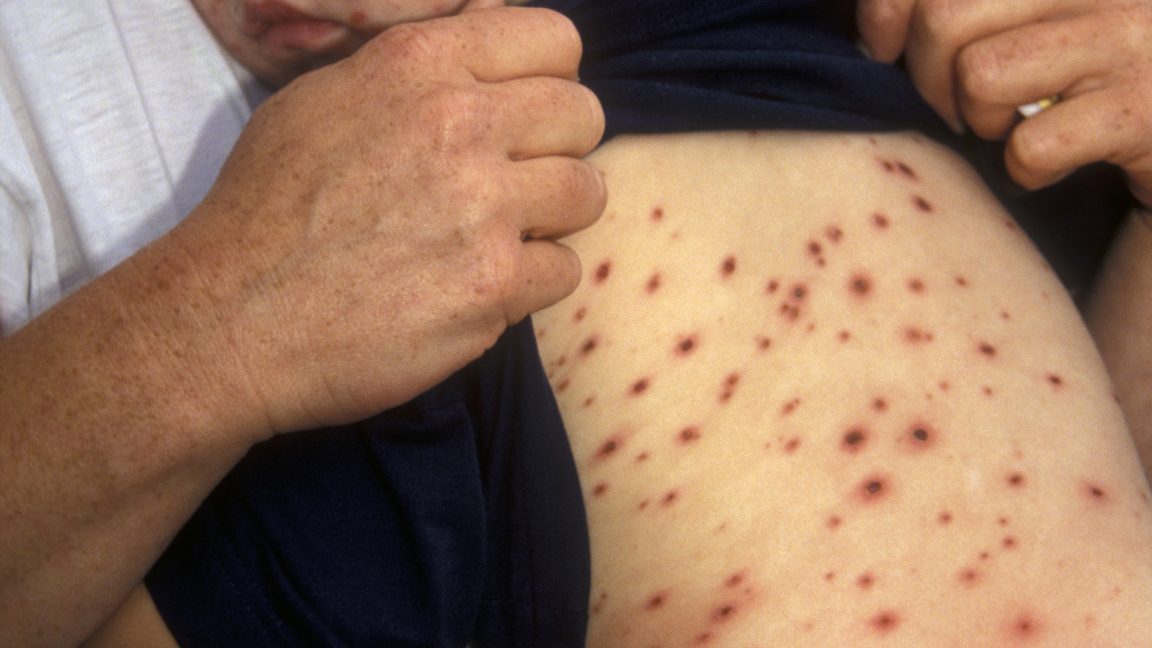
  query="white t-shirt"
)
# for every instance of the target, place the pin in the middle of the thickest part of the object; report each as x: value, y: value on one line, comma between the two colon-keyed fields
x: 115, y: 117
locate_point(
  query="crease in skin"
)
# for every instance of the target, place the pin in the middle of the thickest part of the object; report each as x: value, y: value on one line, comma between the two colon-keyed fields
x: 806, y: 415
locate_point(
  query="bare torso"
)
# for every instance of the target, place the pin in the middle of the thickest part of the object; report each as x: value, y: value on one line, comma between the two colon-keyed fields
x: 823, y: 392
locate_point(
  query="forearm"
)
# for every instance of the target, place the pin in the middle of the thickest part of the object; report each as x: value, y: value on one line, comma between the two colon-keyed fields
x: 1120, y: 317
x: 114, y: 425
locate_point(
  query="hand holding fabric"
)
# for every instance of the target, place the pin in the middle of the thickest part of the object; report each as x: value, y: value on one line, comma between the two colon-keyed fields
x: 976, y: 62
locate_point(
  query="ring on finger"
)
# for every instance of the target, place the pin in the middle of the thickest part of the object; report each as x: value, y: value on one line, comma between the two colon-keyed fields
x: 1037, y: 107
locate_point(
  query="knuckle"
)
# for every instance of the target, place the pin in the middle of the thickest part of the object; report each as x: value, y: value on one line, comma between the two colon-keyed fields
x: 1035, y: 153
x: 410, y: 43
x: 942, y: 19
x: 979, y: 72
x: 454, y: 117
x: 1136, y: 20
x: 564, y: 31
x: 883, y: 14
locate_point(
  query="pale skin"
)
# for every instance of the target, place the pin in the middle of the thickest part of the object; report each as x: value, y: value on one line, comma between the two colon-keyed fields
x: 124, y: 405
x: 806, y: 416
x: 975, y: 62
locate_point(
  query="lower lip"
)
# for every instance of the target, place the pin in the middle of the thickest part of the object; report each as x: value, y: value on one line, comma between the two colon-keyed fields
x: 315, y: 36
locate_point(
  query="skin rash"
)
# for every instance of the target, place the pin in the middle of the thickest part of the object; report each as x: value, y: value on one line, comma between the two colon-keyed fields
x: 805, y: 416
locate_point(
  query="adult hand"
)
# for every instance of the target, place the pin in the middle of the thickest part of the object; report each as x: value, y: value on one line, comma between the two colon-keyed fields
x: 977, y: 61
x: 382, y: 220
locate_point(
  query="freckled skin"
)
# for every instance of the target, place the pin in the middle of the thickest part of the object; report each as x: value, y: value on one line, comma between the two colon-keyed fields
x: 803, y: 517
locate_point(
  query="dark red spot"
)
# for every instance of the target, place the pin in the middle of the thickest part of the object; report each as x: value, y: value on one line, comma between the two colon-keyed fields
x: 602, y: 272
x: 724, y: 612
x: 689, y: 435
x: 814, y: 248
x: 358, y: 19
x: 885, y: 622
x: 639, y: 387
x: 589, y: 345
x: 1005, y: 315
x: 944, y: 518
x: 653, y: 284
x: 642, y: 457
x: 886, y: 165
x: 829, y: 576
x: 728, y: 267
x: 916, y: 286
x: 735, y: 580
x: 792, y: 445
x: 865, y: 581
x: 834, y: 234
x: 670, y: 498
x: 969, y: 577
x: 1055, y: 380
x: 844, y: 336
x: 1025, y: 626
x: 906, y: 170
x: 1017, y: 480
x: 921, y: 436
x: 790, y: 407
x: 763, y: 343
x: 880, y: 221
x: 873, y: 489
x: 987, y: 350
x: 771, y: 287
x: 729, y: 387
x: 564, y: 384
x: 961, y: 281
x: 1095, y: 491
x: 917, y: 335
x: 580, y: 314
x: 1009, y: 542
x: 791, y: 312
x: 600, y: 489
x: 834, y: 522
x: 703, y: 638
x: 988, y: 391
x: 588, y: 401
x: 656, y: 601
x: 686, y: 345
x: 657, y: 214
x: 860, y: 285
x: 854, y: 440
x: 609, y: 448
x: 922, y: 204
x: 799, y: 292
x: 642, y: 505
x: 880, y: 405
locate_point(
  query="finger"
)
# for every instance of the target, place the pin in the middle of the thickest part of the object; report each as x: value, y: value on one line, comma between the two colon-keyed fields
x: 1103, y: 126
x: 996, y: 75
x: 493, y: 44
x: 940, y: 29
x: 883, y: 26
x: 546, y: 116
x: 553, y: 197
x: 548, y: 272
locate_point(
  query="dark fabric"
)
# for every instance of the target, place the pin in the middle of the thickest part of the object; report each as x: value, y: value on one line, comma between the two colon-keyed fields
x: 684, y: 65
x: 459, y: 516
